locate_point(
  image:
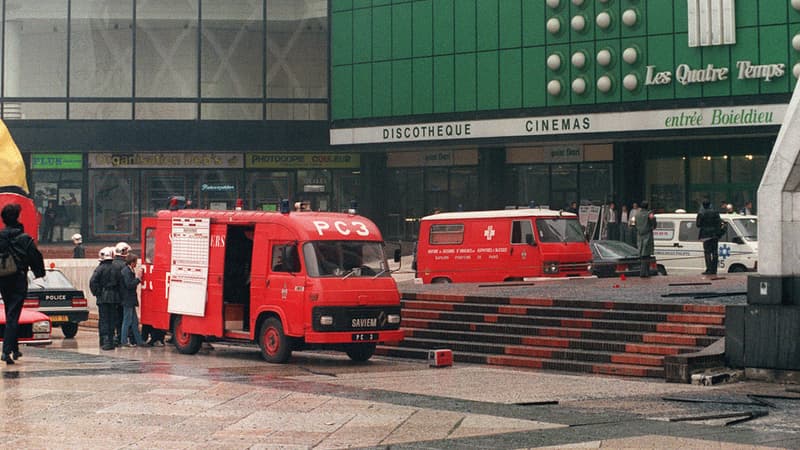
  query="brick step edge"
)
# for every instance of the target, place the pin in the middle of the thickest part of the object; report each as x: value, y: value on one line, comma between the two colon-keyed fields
x: 533, y: 363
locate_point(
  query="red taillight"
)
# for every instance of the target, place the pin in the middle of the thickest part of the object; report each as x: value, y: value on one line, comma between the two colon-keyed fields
x: 622, y: 268
x: 653, y: 265
x: 30, y: 303
x: 79, y: 302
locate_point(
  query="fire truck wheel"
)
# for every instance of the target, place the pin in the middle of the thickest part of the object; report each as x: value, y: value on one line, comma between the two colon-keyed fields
x: 275, y: 347
x: 186, y: 343
x: 69, y: 329
x: 360, y: 352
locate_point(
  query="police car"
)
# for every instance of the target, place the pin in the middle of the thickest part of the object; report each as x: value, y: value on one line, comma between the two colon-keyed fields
x: 56, y: 296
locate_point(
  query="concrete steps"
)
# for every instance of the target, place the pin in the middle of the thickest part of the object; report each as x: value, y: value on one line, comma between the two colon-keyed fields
x: 620, y: 338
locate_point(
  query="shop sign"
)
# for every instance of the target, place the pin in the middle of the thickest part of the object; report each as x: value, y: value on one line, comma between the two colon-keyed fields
x: 166, y: 160
x: 217, y: 187
x: 56, y: 161
x: 686, y: 75
x: 564, y: 154
x: 303, y: 160
x: 593, y: 123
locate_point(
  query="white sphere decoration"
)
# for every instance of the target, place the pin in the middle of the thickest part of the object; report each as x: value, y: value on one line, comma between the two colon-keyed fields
x: 630, y: 55
x: 554, y: 25
x: 603, y: 20
x: 554, y: 62
x: 554, y: 88
x: 579, y: 60
x: 796, y: 4
x: 796, y: 41
x: 553, y: 4
x: 604, y: 58
x: 577, y: 2
x: 629, y: 17
x: 796, y: 70
x: 630, y: 81
x: 604, y: 83
x: 578, y: 23
x: 579, y: 86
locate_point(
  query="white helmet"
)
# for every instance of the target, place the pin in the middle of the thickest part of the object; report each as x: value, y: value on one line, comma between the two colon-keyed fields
x: 106, y: 254
x: 121, y: 249
x: 77, y: 238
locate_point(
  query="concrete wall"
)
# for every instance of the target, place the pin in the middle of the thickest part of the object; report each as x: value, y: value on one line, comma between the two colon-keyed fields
x: 78, y: 271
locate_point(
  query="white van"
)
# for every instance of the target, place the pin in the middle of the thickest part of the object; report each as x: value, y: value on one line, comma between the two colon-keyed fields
x: 678, y: 247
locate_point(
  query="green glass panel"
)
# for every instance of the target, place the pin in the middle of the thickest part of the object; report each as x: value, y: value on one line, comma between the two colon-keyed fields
x: 510, y: 23
x: 511, y: 78
x: 487, y: 25
x: 585, y: 10
x: 423, y: 28
x: 613, y: 30
x: 563, y: 76
x: 342, y: 38
x: 681, y: 14
x: 381, y: 2
x: 533, y: 23
x: 746, y: 14
x: 401, y: 31
x: 341, y: 5
x: 686, y: 55
x: 443, y: 84
x: 660, y: 60
x: 774, y: 50
x: 612, y: 71
x: 381, y: 97
x: 423, y: 85
x: 659, y: 17
x: 401, y: 87
x: 465, y: 82
x: 794, y: 15
x: 741, y: 52
x: 362, y: 27
x: 563, y: 34
x: 381, y: 42
x: 586, y: 73
x: 720, y: 57
x: 640, y: 27
x: 362, y: 4
x: 488, y: 74
x: 772, y: 12
x: 362, y: 99
x: 465, y: 25
x: 533, y: 80
x: 443, y: 19
x: 342, y: 92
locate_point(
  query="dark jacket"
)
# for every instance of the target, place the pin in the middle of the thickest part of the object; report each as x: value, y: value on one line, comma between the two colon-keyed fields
x: 645, y: 224
x: 709, y: 224
x: 129, y: 283
x: 78, y: 251
x: 28, y: 256
x: 105, y: 283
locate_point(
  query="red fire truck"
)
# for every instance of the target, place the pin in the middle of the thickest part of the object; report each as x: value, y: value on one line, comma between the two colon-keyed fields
x: 286, y: 281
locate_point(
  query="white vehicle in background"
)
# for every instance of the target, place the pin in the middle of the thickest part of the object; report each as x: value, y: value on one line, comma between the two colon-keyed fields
x: 677, y: 246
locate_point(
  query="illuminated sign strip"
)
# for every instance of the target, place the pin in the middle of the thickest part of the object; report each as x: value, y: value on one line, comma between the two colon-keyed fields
x: 573, y: 124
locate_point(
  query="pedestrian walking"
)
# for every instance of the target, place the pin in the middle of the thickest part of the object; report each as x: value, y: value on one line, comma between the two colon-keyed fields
x: 78, y: 251
x: 131, y: 277
x: 104, y: 285
x: 20, y: 250
x: 645, y: 224
x: 710, y: 229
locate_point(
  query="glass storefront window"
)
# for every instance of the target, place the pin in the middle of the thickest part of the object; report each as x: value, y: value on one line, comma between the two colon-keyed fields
x: 708, y: 169
x: 463, y: 189
x: 665, y: 181
x: 159, y: 186
x: 217, y: 189
x: 113, y: 199
x: 596, y: 183
x: 58, y: 197
x: 315, y: 186
x: 267, y: 189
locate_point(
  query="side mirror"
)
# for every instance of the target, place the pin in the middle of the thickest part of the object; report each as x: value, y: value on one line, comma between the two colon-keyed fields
x: 529, y: 239
x: 397, y: 255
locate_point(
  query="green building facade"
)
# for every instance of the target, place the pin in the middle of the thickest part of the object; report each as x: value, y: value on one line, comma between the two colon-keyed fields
x: 484, y: 104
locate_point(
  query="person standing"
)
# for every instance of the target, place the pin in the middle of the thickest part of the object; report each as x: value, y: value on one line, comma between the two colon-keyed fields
x: 709, y: 225
x: 120, y: 253
x: 49, y: 221
x: 624, y: 229
x: 635, y: 210
x: 645, y: 224
x: 104, y: 285
x: 612, y: 222
x: 78, y: 251
x: 14, y: 287
x: 747, y: 209
x: 131, y: 277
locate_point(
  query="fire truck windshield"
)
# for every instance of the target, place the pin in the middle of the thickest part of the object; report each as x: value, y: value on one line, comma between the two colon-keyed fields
x: 345, y: 259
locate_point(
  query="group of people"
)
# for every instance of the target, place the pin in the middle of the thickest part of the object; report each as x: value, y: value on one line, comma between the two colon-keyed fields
x: 114, y: 284
x: 621, y: 224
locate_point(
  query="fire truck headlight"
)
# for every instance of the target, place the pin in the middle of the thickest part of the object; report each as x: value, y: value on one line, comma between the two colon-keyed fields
x: 393, y: 318
x: 326, y: 320
x: 550, y: 267
x: 42, y: 326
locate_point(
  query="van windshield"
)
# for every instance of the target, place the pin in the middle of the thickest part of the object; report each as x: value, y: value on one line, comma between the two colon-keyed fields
x: 747, y: 228
x: 345, y: 259
x: 559, y: 230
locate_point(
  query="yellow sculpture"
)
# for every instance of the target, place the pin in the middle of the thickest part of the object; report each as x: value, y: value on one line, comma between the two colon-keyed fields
x: 12, y: 167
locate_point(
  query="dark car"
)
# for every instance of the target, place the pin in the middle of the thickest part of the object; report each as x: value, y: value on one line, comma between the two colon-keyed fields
x: 56, y: 296
x: 615, y: 258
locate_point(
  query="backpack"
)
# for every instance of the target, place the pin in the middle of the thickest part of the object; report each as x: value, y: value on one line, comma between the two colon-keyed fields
x: 8, y: 261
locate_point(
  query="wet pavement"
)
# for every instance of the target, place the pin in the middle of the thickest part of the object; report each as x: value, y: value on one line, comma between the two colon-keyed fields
x: 73, y: 395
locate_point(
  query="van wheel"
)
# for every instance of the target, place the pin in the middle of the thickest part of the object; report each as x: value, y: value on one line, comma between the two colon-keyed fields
x: 186, y: 343
x: 275, y: 347
x: 440, y: 281
x: 69, y: 329
x: 737, y: 268
x: 360, y: 352
x: 662, y: 270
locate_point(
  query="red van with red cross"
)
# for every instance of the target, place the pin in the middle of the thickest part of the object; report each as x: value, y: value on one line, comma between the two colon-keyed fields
x: 504, y: 245
x: 285, y: 281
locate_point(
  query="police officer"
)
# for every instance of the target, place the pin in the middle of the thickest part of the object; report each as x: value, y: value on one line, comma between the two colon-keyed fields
x: 710, y: 225
x: 645, y: 224
x: 105, y: 285
x: 119, y: 264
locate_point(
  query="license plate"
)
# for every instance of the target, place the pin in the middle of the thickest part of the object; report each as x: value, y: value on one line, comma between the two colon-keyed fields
x: 365, y: 336
x: 59, y: 318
